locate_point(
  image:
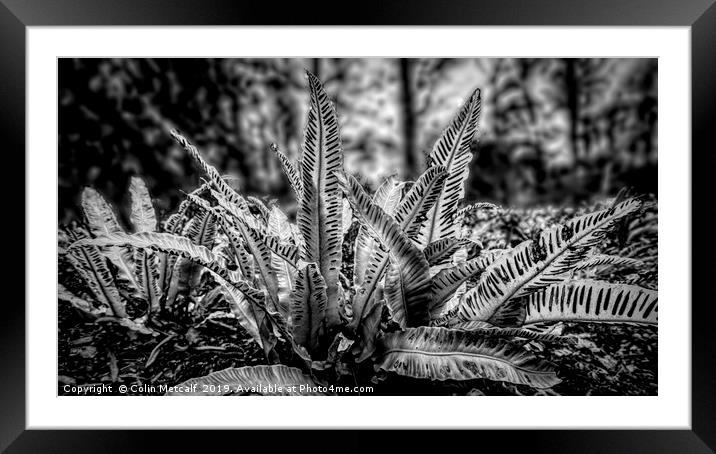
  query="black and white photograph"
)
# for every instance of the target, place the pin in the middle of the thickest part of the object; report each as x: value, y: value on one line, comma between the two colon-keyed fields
x: 357, y: 226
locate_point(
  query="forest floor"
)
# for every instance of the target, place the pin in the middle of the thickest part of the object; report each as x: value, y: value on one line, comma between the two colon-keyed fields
x: 607, y: 360
x: 599, y: 360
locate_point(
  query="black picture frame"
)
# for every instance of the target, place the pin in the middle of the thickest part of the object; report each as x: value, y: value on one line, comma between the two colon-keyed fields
x: 699, y: 15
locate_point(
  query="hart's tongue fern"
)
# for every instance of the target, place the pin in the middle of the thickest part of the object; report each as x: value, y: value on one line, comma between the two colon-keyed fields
x: 424, y: 302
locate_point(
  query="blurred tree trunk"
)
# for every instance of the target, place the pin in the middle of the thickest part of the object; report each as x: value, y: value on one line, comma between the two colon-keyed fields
x: 571, y: 85
x: 316, y: 67
x: 412, y: 157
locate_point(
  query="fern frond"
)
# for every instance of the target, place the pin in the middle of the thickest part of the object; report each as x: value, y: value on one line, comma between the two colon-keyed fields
x: 346, y: 217
x: 101, y: 219
x: 279, y: 227
x: 603, y: 260
x: 142, y: 215
x: 320, y: 210
x: 286, y: 251
x: 167, y: 263
x: 593, y: 301
x: 201, y: 229
x: 176, y: 222
x: 79, y: 303
x: 174, y: 244
x: 485, y: 329
x: 447, y: 281
x: 420, y: 199
x: 412, y: 268
x: 293, y: 175
x: 262, y: 260
x: 439, y: 252
x: 254, y: 243
x: 236, y: 242
x: 242, y: 235
x: 147, y: 275
x: 452, y: 302
x: 250, y: 316
x: 283, y: 380
x: 258, y: 205
x: 92, y: 266
x: 99, y: 214
x: 369, y: 330
x: 410, y: 213
x: 444, y: 354
x: 238, y: 251
x: 452, y: 150
x: 387, y: 198
x: 149, y: 268
x: 534, y: 265
x: 308, y: 307
x: 213, y: 175
x: 476, y: 206
x: 235, y: 214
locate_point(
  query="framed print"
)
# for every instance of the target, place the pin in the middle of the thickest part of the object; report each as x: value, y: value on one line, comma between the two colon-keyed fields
x: 472, y: 216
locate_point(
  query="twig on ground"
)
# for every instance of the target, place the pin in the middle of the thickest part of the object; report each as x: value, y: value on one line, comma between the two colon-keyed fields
x: 223, y: 325
x: 113, y: 369
x: 156, y: 377
x: 155, y: 352
x: 210, y: 348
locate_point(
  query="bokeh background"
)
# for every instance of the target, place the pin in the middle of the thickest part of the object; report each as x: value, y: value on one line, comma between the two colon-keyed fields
x: 553, y: 131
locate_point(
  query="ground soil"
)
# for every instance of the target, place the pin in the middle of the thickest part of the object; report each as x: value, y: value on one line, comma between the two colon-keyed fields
x: 607, y: 360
